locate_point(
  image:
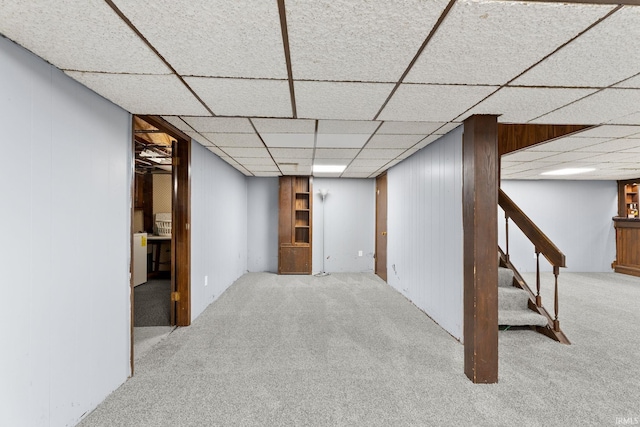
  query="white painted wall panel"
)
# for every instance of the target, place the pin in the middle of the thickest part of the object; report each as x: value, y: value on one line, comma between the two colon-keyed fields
x: 218, y: 227
x: 262, y: 224
x: 349, y: 227
x: 65, y: 230
x: 424, y: 252
x: 576, y: 215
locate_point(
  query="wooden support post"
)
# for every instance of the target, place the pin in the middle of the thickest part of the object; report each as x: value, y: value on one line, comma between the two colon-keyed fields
x: 480, y: 224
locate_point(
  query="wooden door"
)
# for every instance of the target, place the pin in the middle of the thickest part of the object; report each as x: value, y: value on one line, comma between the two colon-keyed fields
x: 381, y: 226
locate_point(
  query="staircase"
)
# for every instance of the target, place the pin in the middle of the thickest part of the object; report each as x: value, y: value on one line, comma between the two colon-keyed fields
x: 513, y: 303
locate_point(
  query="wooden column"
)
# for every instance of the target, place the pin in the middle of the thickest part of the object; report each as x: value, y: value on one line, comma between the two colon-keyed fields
x: 480, y: 224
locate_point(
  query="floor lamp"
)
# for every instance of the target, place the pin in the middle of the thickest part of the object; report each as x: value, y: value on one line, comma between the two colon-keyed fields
x: 323, y: 195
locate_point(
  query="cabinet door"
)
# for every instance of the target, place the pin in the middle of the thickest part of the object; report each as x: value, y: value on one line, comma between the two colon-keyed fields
x: 294, y: 260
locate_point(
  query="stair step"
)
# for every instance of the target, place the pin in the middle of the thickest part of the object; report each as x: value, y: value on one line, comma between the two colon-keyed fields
x: 512, y: 298
x: 505, y: 277
x: 521, y: 318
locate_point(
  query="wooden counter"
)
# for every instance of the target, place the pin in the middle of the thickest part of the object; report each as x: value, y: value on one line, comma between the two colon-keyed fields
x: 627, y: 245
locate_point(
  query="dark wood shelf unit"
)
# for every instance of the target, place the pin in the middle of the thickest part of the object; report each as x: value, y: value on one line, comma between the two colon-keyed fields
x: 295, y: 225
x: 627, y: 226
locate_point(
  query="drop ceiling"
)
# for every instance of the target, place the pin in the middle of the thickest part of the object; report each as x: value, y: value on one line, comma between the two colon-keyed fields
x: 273, y: 87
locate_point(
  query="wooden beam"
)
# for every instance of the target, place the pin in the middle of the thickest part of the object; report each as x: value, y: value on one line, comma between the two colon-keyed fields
x: 612, y: 2
x: 480, y: 225
x: 514, y: 137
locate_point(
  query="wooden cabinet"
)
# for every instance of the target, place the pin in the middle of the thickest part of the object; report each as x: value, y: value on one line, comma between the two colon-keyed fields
x: 627, y: 225
x: 628, y: 198
x: 294, y: 225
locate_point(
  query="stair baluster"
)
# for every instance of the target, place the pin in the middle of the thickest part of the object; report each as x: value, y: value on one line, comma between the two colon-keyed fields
x: 506, y: 234
x: 556, y: 322
x: 538, y: 297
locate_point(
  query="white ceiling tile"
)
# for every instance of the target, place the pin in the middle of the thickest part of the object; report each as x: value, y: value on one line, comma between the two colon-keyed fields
x: 409, y: 128
x: 629, y: 119
x: 178, y: 123
x: 292, y: 140
x: 428, y: 140
x: 213, y: 37
x: 280, y: 126
x: 355, y: 175
x: 615, y: 157
x: 198, y: 138
x: 568, y: 157
x: 491, y: 42
x: 244, y: 97
x: 446, y: 128
x: 357, y: 40
x: 255, y: 161
x: 394, y: 141
x: 220, y: 124
x: 408, y: 153
x: 295, y: 161
x: 261, y: 168
x: 632, y: 82
x: 247, y: 152
x: 362, y: 169
x: 525, y: 156
x: 218, y: 152
x: 296, y: 170
x: 569, y: 143
x: 521, y: 104
x: 347, y: 126
x: 336, y: 153
x: 432, y: 102
x: 265, y: 174
x: 635, y: 149
x: 341, y: 140
x: 602, y: 56
x: 340, y: 100
x: 79, y: 36
x: 610, y: 131
x: 377, y: 163
x: 378, y: 153
x: 291, y: 153
x: 596, y: 109
x: 140, y: 94
x: 613, y: 145
x: 234, y: 139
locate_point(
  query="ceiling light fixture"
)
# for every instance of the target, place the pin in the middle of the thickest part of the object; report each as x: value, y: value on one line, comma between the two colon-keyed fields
x: 568, y: 171
x: 328, y: 168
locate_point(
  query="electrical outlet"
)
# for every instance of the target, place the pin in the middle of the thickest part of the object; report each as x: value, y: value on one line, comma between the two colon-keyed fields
x: 359, y: 253
x: 206, y: 280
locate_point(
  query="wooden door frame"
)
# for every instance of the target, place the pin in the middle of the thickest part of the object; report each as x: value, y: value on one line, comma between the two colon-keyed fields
x: 181, y: 220
x: 377, y: 230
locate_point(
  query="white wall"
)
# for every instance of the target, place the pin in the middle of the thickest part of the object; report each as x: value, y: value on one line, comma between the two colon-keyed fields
x: 65, y: 224
x: 262, y: 227
x: 349, y: 212
x: 218, y: 227
x: 576, y: 215
x: 424, y: 249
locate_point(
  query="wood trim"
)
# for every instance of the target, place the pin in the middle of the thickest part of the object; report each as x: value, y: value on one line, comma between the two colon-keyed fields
x: 287, y: 55
x: 514, y: 137
x: 181, y: 239
x: 604, y: 2
x: 380, y: 242
x: 480, y: 225
x: 540, y: 240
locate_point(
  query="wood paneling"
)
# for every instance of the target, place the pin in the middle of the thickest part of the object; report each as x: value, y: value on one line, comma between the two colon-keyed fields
x: 295, y: 225
x: 181, y: 241
x: 480, y: 207
x: 514, y: 137
x: 627, y: 246
x: 381, y: 227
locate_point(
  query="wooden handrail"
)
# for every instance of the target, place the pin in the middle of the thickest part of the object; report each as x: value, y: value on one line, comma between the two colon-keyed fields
x: 540, y: 240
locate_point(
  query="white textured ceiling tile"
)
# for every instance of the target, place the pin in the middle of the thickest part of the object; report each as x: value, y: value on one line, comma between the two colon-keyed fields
x: 291, y: 140
x: 447, y: 127
x: 356, y: 175
x: 199, y: 138
x: 568, y: 157
x: 428, y: 140
x: 629, y: 119
x: 235, y: 139
x: 362, y: 169
x: 596, y: 109
x: 79, y: 36
x: 220, y: 124
x: 633, y: 82
x: 244, y: 97
x: 377, y: 153
x: 347, y: 126
x: 358, y: 162
x: 213, y: 37
x: 357, y: 40
x: 255, y: 161
x: 409, y: 128
x: 525, y: 156
x: 178, y: 123
x: 613, y: 145
x: 602, y: 56
x: 284, y: 126
x: 615, y: 157
x: 336, y: 153
x: 610, y: 131
x: 140, y: 94
x: 432, y: 102
x: 218, y: 152
x: 520, y: 104
x: 261, y: 168
x: 394, y: 141
x: 340, y: 100
x: 491, y: 42
x: 634, y: 149
x: 341, y: 140
x: 568, y: 143
x: 296, y: 170
x: 247, y: 152
x: 291, y: 153
x: 265, y: 174
x: 292, y: 162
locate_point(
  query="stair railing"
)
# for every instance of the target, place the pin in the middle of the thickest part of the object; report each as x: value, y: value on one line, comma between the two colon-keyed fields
x: 543, y: 245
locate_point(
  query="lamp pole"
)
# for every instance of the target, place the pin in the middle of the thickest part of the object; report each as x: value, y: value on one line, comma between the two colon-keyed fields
x: 323, y: 194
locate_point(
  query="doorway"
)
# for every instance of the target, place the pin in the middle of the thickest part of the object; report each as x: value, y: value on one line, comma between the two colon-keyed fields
x: 381, y: 226
x: 160, y: 286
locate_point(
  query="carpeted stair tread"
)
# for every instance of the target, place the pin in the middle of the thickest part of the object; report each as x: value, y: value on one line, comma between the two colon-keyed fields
x: 521, y: 318
x: 505, y: 277
x: 512, y: 298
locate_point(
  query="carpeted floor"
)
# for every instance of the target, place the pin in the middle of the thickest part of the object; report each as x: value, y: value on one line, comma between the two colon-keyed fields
x: 348, y: 350
x: 152, y: 303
